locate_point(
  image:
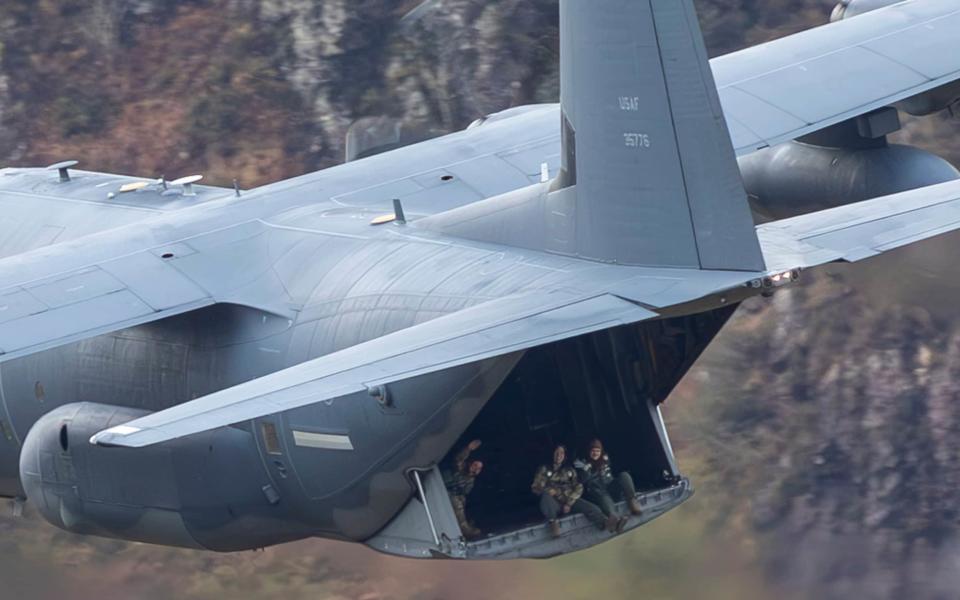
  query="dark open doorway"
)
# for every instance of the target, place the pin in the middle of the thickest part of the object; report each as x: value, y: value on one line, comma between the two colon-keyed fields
x: 605, y: 385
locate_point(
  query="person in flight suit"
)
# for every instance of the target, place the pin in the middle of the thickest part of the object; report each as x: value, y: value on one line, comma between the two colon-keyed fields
x: 459, y: 483
x: 599, y: 484
x: 560, y: 493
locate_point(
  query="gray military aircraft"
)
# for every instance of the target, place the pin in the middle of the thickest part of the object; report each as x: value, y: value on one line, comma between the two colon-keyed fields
x: 200, y: 367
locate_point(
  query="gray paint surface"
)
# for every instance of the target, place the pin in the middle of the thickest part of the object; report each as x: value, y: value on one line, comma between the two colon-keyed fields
x: 799, y: 84
x: 649, y: 158
x: 286, y: 310
x: 863, y: 229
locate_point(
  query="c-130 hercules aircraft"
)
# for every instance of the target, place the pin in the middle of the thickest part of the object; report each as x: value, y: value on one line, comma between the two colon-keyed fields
x: 190, y: 366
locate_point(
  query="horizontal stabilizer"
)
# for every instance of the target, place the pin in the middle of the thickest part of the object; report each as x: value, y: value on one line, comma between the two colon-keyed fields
x: 857, y: 231
x: 485, y: 331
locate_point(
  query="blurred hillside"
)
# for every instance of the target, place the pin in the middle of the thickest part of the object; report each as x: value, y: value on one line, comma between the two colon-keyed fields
x: 266, y: 89
x: 821, y: 428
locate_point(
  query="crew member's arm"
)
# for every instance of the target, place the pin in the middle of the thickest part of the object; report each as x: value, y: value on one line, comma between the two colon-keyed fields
x: 584, y: 473
x: 572, y: 490
x: 539, y: 481
x: 607, y: 475
x: 574, y: 494
x: 460, y: 460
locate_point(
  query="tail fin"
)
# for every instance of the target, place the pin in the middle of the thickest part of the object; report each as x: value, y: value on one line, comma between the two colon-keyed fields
x: 645, y: 143
x: 649, y: 174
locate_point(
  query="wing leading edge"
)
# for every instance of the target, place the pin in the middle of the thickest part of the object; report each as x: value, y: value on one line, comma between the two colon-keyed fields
x: 491, y: 329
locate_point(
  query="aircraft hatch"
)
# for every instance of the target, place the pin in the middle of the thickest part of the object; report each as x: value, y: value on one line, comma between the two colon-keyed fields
x: 607, y: 385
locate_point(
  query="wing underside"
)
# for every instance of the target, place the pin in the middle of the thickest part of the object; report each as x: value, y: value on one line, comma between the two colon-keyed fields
x: 488, y: 330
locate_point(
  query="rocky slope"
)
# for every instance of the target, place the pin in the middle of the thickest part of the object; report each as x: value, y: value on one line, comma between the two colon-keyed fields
x: 264, y: 89
x: 835, y: 420
x: 821, y: 428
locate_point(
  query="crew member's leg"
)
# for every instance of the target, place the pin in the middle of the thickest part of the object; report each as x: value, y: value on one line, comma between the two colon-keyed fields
x: 592, y: 512
x: 460, y: 511
x: 550, y: 509
x: 602, y: 499
x: 629, y: 492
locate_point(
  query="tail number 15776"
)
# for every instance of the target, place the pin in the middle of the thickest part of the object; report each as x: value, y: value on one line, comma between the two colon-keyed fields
x: 636, y: 140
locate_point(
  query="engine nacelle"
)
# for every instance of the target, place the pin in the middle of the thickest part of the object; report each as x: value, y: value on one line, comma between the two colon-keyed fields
x: 798, y: 178
x: 205, y: 491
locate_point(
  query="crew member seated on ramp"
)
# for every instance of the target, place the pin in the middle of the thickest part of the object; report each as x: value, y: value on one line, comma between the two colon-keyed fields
x: 560, y: 493
x: 599, y: 484
x: 459, y: 482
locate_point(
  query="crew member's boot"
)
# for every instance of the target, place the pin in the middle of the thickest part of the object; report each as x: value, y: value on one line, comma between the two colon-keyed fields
x: 469, y: 531
x: 611, y: 524
x: 555, y: 528
x: 622, y: 524
x: 634, y: 505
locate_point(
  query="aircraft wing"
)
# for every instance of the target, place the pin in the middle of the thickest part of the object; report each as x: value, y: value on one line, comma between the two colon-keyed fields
x: 491, y: 329
x: 787, y: 88
x: 857, y: 231
x: 38, y: 210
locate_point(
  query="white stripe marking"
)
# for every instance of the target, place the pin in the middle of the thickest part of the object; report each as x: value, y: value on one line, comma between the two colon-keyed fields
x: 325, y: 441
x: 123, y: 430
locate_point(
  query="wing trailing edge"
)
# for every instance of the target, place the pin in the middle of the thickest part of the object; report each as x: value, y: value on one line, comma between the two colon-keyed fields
x: 861, y: 230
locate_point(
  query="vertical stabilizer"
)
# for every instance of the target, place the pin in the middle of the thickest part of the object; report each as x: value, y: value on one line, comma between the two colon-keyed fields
x: 649, y: 174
